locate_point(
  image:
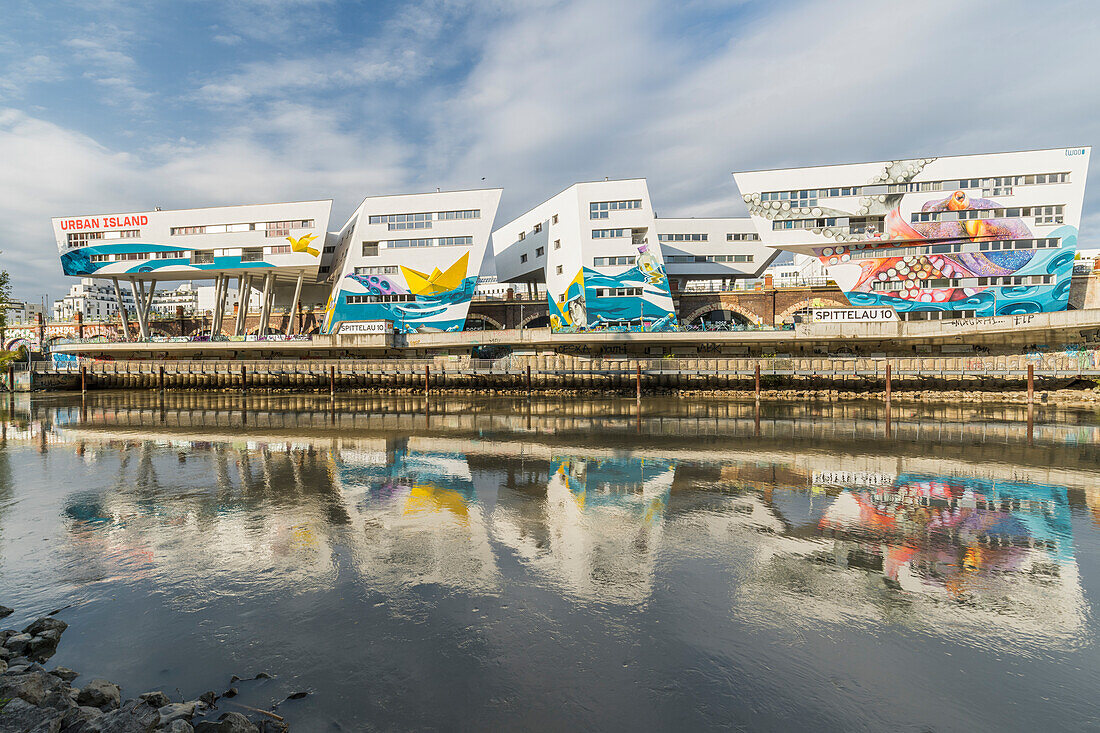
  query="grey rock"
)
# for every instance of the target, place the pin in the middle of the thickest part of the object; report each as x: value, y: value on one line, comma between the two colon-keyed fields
x: 227, y: 723
x: 273, y: 726
x: 6, y: 653
x: 30, y: 686
x: 209, y: 698
x: 19, y: 665
x: 59, y: 697
x: 100, y: 694
x: 65, y: 673
x: 179, y: 726
x: 177, y: 711
x: 3, y: 666
x: 5, y: 611
x: 21, y: 716
x: 46, y: 623
x: 44, y: 646
x: 157, y: 699
x: 135, y: 716
x: 81, y: 720
x: 18, y: 643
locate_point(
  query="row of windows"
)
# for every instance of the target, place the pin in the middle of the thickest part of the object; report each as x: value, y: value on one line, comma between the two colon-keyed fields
x: 808, y: 197
x: 85, y: 237
x: 271, y: 228
x: 377, y: 270
x: 247, y: 254
x: 617, y: 292
x: 937, y: 249
x: 600, y: 209
x: 1042, y: 214
x: 681, y: 237
x: 397, y: 298
x: 608, y: 233
x: 743, y: 237
x: 689, y: 259
x: 899, y: 285
x: 854, y: 225
x: 612, y: 261
x: 422, y: 220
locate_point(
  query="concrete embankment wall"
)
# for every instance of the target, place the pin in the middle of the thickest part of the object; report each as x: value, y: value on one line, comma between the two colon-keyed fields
x: 566, y: 372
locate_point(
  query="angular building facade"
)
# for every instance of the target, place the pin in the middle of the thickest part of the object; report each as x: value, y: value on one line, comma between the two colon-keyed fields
x: 610, y: 264
x: 262, y: 245
x: 410, y: 259
x: 971, y: 235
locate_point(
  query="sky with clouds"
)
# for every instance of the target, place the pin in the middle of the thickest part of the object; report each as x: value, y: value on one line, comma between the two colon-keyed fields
x: 121, y: 106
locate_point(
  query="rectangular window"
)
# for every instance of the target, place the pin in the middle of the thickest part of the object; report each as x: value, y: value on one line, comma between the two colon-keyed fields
x: 557, y: 244
x: 554, y: 219
x: 282, y: 228
x: 618, y: 292
x: 100, y: 258
x: 202, y: 258
x: 540, y: 252
x: 538, y: 228
x: 601, y: 209
x: 397, y: 298
x: 465, y: 214
x: 370, y: 249
x: 252, y: 254
x: 743, y: 237
x: 398, y: 222
x: 377, y: 270
x: 170, y: 255
x: 179, y: 231
x: 81, y: 238
x: 523, y: 258
x: 407, y: 243
x: 329, y: 249
x: 558, y: 269
x: 455, y: 241
x: 608, y: 233
x: 279, y: 249
x: 522, y: 236
x: 613, y: 261
x: 682, y: 237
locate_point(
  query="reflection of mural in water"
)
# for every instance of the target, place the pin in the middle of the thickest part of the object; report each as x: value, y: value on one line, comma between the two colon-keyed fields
x: 995, y: 552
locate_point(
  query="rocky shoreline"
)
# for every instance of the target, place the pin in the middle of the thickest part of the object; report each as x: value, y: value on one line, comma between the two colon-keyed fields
x: 34, y: 700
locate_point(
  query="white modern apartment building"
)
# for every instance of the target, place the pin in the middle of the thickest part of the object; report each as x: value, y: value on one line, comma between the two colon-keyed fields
x: 609, y: 263
x: 96, y: 300
x: 19, y: 312
x: 412, y: 259
x: 944, y: 237
x: 262, y: 245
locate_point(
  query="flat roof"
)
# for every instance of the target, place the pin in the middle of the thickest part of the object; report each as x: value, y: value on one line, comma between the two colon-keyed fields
x: 914, y: 157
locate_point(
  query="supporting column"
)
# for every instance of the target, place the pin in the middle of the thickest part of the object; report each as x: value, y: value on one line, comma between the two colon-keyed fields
x: 294, y: 304
x: 244, y: 287
x: 265, y: 312
x: 139, y: 300
x: 219, y: 306
x: 149, y: 307
x: 121, y: 310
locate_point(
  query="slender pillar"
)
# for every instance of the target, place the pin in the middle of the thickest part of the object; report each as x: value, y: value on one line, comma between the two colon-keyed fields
x: 149, y: 301
x: 294, y: 305
x: 139, y: 301
x: 219, y: 306
x: 244, y: 288
x: 121, y: 310
x: 265, y: 312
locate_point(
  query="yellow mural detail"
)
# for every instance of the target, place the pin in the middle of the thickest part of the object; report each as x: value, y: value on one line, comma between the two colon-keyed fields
x: 427, y: 498
x: 437, y: 282
x: 301, y: 244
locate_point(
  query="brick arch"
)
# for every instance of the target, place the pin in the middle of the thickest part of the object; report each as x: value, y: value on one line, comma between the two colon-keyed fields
x: 528, y: 319
x: 815, y: 302
x: 497, y: 325
x: 719, y: 306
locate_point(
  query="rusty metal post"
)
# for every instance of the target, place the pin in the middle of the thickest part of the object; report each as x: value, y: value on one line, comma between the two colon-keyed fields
x: 757, y: 380
x: 244, y: 378
x: 528, y: 379
x: 427, y: 378
x: 83, y: 379
x: 1030, y: 383
x: 332, y: 380
x: 11, y: 379
x: 638, y: 381
x: 888, y: 384
x: 160, y: 378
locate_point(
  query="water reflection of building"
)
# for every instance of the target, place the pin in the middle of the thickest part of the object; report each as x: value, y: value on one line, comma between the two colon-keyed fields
x: 941, y: 553
x: 602, y: 519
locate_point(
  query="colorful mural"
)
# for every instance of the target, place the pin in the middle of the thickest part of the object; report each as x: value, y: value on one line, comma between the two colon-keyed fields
x: 424, y: 302
x: 590, y: 305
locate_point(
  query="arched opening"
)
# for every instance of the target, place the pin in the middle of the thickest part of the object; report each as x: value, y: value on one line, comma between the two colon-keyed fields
x: 542, y: 321
x: 719, y: 319
x: 479, y: 322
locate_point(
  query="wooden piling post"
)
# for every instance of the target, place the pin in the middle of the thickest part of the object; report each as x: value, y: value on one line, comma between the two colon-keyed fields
x: 83, y: 379
x: 244, y: 378
x: 757, y: 380
x: 160, y: 378
x: 638, y: 381
x: 1030, y: 383
x: 427, y: 378
x: 332, y: 380
x: 528, y: 379
x: 11, y: 379
x: 888, y: 382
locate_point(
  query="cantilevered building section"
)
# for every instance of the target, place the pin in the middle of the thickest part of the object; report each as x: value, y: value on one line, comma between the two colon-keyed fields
x: 412, y: 259
x: 263, y: 245
x: 610, y: 264
x: 935, y: 238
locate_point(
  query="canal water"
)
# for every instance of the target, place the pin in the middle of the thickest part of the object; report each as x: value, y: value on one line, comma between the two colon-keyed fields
x: 509, y: 564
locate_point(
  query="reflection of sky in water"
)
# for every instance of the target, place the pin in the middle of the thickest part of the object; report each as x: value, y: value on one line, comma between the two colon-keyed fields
x: 485, y: 573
